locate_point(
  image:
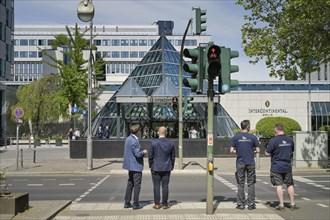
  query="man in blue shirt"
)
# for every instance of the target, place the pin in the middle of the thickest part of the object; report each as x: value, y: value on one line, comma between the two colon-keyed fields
x: 281, y: 148
x: 133, y: 162
x: 245, y: 145
x: 161, y: 162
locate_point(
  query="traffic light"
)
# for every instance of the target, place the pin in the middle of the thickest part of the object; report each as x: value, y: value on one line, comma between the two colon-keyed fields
x: 213, y: 64
x: 175, y: 103
x: 188, y: 108
x: 225, y: 81
x: 200, y: 21
x: 196, y: 68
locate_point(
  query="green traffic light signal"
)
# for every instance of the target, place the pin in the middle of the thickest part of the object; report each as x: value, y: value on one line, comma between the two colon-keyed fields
x: 225, y: 81
x: 196, y: 68
x: 188, y: 107
x: 200, y: 21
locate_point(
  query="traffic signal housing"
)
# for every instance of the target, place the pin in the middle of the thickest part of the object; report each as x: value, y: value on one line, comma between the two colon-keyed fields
x: 175, y: 103
x: 200, y: 20
x: 196, y: 68
x: 213, y: 64
x: 188, y: 107
x: 225, y: 81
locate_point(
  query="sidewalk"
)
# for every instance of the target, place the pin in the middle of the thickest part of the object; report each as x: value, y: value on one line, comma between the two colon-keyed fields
x: 65, y: 210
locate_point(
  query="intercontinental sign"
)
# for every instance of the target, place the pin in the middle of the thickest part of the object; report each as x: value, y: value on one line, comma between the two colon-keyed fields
x: 267, y: 111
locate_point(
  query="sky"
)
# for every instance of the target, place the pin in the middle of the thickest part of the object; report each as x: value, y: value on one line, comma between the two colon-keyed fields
x: 224, y: 21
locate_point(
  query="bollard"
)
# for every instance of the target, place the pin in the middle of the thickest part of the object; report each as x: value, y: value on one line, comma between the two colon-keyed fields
x: 34, y: 154
x: 30, y: 142
x: 21, y: 157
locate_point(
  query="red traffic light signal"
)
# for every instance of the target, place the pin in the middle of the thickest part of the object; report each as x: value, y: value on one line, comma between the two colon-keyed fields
x: 175, y: 103
x: 214, y: 64
x: 174, y: 100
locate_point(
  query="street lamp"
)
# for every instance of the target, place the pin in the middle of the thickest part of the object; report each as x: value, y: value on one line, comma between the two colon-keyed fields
x: 85, y: 13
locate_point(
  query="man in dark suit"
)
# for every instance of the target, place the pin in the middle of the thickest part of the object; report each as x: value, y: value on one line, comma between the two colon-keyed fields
x: 133, y: 162
x: 161, y: 162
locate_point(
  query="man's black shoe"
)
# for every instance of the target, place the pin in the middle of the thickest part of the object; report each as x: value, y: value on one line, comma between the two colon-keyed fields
x: 127, y: 205
x: 241, y: 207
x: 135, y: 207
x: 251, y: 207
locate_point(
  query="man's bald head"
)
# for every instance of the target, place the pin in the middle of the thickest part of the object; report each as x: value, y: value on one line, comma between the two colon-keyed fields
x: 162, y: 131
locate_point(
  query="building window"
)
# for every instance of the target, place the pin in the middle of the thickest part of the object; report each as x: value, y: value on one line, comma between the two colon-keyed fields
x: 24, y: 42
x: 39, y: 54
x: 33, y: 42
x: 142, y: 53
x: 106, y: 42
x: 97, y: 42
x: 33, y: 54
x: 319, y: 75
x: 106, y: 54
x: 23, y: 54
x: 2, y: 31
x: 124, y: 54
x: 41, y: 42
x: 2, y: 68
x: 178, y: 42
x: 49, y: 42
x: 124, y: 42
x: 116, y: 42
x: 143, y: 42
x: 16, y: 54
x: 151, y: 42
x: 16, y: 42
x: 134, y: 54
x: 134, y: 42
x: 115, y: 54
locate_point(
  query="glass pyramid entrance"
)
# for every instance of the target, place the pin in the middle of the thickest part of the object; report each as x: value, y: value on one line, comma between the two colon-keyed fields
x: 146, y: 95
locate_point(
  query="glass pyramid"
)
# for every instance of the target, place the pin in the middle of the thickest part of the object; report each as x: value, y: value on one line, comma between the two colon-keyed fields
x: 157, y: 75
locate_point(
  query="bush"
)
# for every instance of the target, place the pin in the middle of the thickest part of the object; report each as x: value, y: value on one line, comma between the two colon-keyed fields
x: 266, y: 126
x: 325, y: 128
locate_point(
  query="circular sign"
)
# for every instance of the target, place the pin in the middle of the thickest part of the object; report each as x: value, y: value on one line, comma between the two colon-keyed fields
x: 19, y: 113
x: 83, y: 112
x: 267, y: 103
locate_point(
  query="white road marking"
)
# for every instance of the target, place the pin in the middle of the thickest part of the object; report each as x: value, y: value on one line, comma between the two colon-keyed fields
x: 326, y: 188
x: 265, y: 183
x: 76, y: 179
x: 324, y: 206
x: 20, y: 180
x: 36, y: 184
x: 91, y: 189
x: 48, y: 179
x: 304, y: 198
x: 66, y: 184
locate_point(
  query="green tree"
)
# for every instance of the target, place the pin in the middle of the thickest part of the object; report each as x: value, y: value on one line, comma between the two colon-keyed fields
x: 265, y: 126
x: 288, y: 34
x: 41, y: 101
x: 73, y: 68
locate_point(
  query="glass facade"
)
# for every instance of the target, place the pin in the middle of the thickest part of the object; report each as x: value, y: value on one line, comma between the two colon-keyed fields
x: 320, y: 114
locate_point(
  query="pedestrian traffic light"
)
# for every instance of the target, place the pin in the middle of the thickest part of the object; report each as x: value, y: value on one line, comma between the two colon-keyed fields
x: 175, y: 103
x: 213, y: 64
x: 196, y: 68
x: 200, y: 21
x: 188, y: 107
x: 225, y: 81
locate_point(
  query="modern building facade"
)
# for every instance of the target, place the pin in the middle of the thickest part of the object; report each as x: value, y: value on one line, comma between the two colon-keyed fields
x: 6, y: 54
x: 323, y: 74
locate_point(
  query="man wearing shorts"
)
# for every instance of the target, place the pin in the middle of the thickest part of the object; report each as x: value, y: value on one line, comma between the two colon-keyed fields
x: 281, y: 148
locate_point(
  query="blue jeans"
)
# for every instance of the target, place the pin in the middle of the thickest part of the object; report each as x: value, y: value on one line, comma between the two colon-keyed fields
x: 243, y: 171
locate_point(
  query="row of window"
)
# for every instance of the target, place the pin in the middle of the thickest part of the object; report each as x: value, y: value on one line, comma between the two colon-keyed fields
x: 123, y: 54
x: 27, y: 77
x: 104, y: 42
x: 120, y: 67
x: 27, y: 68
x: 27, y: 54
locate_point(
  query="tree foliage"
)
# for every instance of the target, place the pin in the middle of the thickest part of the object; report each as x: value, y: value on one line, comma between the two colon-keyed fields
x: 41, y: 101
x: 287, y: 34
x: 265, y: 126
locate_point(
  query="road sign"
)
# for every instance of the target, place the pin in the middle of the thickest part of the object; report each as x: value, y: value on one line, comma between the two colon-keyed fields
x: 84, y: 112
x: 75, y: 110
x: 19, y: 113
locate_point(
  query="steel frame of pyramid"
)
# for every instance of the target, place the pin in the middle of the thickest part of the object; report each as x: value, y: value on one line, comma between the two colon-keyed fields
x: 145, y: 97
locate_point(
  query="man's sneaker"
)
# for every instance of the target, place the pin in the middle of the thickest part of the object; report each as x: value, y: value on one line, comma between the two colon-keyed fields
x: 280, y: 208
x: 241, y: 207
x: 128, y: 205
x: 293, y: 207
x: 137, y: 206
x: 251, y: 207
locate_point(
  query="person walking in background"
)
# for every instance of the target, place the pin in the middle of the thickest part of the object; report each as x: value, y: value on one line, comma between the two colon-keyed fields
x: 281, y: 148
x: 70, y: 134
x: 193, y: 133
x: 100, y: 133
x: 133, y: 162
x: 161, y: 162
x: 106, y: 132
x: 77, y: 134
x: 245, y: 145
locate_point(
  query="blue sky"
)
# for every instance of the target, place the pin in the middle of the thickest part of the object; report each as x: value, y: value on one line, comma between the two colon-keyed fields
x: 224, y: 21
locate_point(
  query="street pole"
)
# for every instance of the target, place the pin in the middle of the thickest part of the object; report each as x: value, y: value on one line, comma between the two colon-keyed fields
x: 309, y: 102
x: 17, y: 146
x: 89, y: 93
x: 209, y: 165
x: 85, y: 13
x: 180, y: 99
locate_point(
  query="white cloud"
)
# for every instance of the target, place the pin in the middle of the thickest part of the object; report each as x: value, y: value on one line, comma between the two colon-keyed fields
x: 224, y: 20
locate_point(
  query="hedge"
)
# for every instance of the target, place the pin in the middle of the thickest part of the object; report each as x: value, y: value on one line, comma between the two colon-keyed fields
x: 265, y: 126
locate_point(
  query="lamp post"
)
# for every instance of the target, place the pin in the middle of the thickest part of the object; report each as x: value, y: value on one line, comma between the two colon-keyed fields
x: 85, y: 13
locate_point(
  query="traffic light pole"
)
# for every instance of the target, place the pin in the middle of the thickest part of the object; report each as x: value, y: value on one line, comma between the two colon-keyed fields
x: 180, y: 147
x: 209, y: 165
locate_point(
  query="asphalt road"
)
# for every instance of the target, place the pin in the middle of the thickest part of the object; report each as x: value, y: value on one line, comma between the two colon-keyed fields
x: 312, y: 191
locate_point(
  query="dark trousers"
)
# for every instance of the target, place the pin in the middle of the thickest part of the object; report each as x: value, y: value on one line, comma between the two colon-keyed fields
x: 160, y: 178
x: 134, y: 181
x: 241, y: 172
